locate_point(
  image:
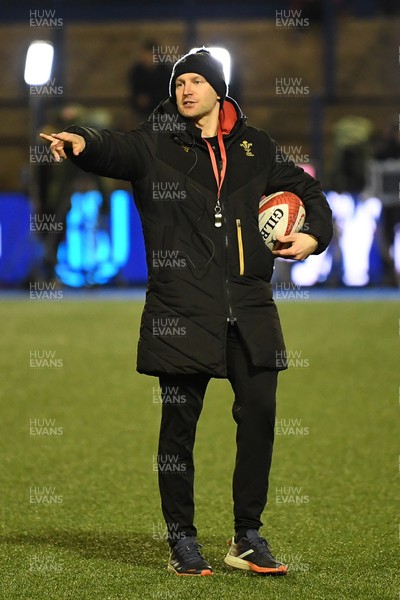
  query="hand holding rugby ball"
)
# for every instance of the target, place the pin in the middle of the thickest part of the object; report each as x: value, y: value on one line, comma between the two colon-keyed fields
x: 281, y: 213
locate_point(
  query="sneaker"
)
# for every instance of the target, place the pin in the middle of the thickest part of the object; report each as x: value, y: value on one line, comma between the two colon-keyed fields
x: 252, y: 553
x: 186, y: 559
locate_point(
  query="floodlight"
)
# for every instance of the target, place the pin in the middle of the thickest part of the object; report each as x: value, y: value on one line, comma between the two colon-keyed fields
x: 39, y: 62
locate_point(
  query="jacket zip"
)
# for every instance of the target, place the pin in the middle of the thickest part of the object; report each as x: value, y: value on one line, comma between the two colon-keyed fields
x: 240, y: 246
x: 231, y: 319
x: 219, y: 173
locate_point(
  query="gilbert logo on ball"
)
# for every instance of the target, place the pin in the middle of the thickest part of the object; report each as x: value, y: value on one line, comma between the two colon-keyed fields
x: 281, y: 213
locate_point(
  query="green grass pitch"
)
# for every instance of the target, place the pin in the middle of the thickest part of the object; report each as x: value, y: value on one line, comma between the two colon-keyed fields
x: 98, y: 533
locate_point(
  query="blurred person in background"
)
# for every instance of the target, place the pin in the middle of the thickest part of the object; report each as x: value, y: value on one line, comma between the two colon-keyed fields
x: 59, y: 181
x: 147, y: 80
x: 351, y: 144
x: 387, y: 144
x: 212, y: 315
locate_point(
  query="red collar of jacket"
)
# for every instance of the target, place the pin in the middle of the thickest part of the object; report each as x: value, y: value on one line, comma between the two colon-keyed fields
x: 227, y: 118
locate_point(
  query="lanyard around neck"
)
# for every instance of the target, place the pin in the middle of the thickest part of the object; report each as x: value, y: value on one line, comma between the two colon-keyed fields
x: 219, y: 176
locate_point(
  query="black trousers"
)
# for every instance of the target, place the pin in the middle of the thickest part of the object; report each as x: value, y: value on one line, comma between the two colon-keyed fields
x: 253, y: 410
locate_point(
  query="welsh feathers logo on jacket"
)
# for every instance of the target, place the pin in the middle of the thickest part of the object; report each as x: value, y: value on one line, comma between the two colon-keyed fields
x: 247, y: 147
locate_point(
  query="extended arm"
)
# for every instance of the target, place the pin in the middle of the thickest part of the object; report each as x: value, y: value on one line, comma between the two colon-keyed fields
x: 105, y: 153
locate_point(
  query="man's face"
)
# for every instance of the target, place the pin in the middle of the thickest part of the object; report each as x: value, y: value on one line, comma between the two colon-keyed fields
x: 195, y: 98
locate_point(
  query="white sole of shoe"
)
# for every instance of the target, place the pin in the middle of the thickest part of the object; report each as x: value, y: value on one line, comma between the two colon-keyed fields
x: 238, y: 563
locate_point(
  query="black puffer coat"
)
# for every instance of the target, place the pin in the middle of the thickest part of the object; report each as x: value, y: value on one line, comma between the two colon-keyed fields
x: 203, y: 277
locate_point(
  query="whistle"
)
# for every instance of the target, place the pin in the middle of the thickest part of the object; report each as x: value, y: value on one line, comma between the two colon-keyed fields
x: 218, y: 220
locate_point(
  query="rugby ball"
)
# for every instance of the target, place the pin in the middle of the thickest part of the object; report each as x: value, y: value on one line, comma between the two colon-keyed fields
x: 281, y: 213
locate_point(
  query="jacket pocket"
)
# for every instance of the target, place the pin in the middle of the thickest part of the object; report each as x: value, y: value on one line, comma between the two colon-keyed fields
x: 240, y: 246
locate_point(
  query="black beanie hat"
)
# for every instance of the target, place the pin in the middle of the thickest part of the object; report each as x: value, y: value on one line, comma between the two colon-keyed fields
x: 203, y: 63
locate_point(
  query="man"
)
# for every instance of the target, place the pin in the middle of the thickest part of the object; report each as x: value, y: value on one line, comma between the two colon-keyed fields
x: 211, y: 314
